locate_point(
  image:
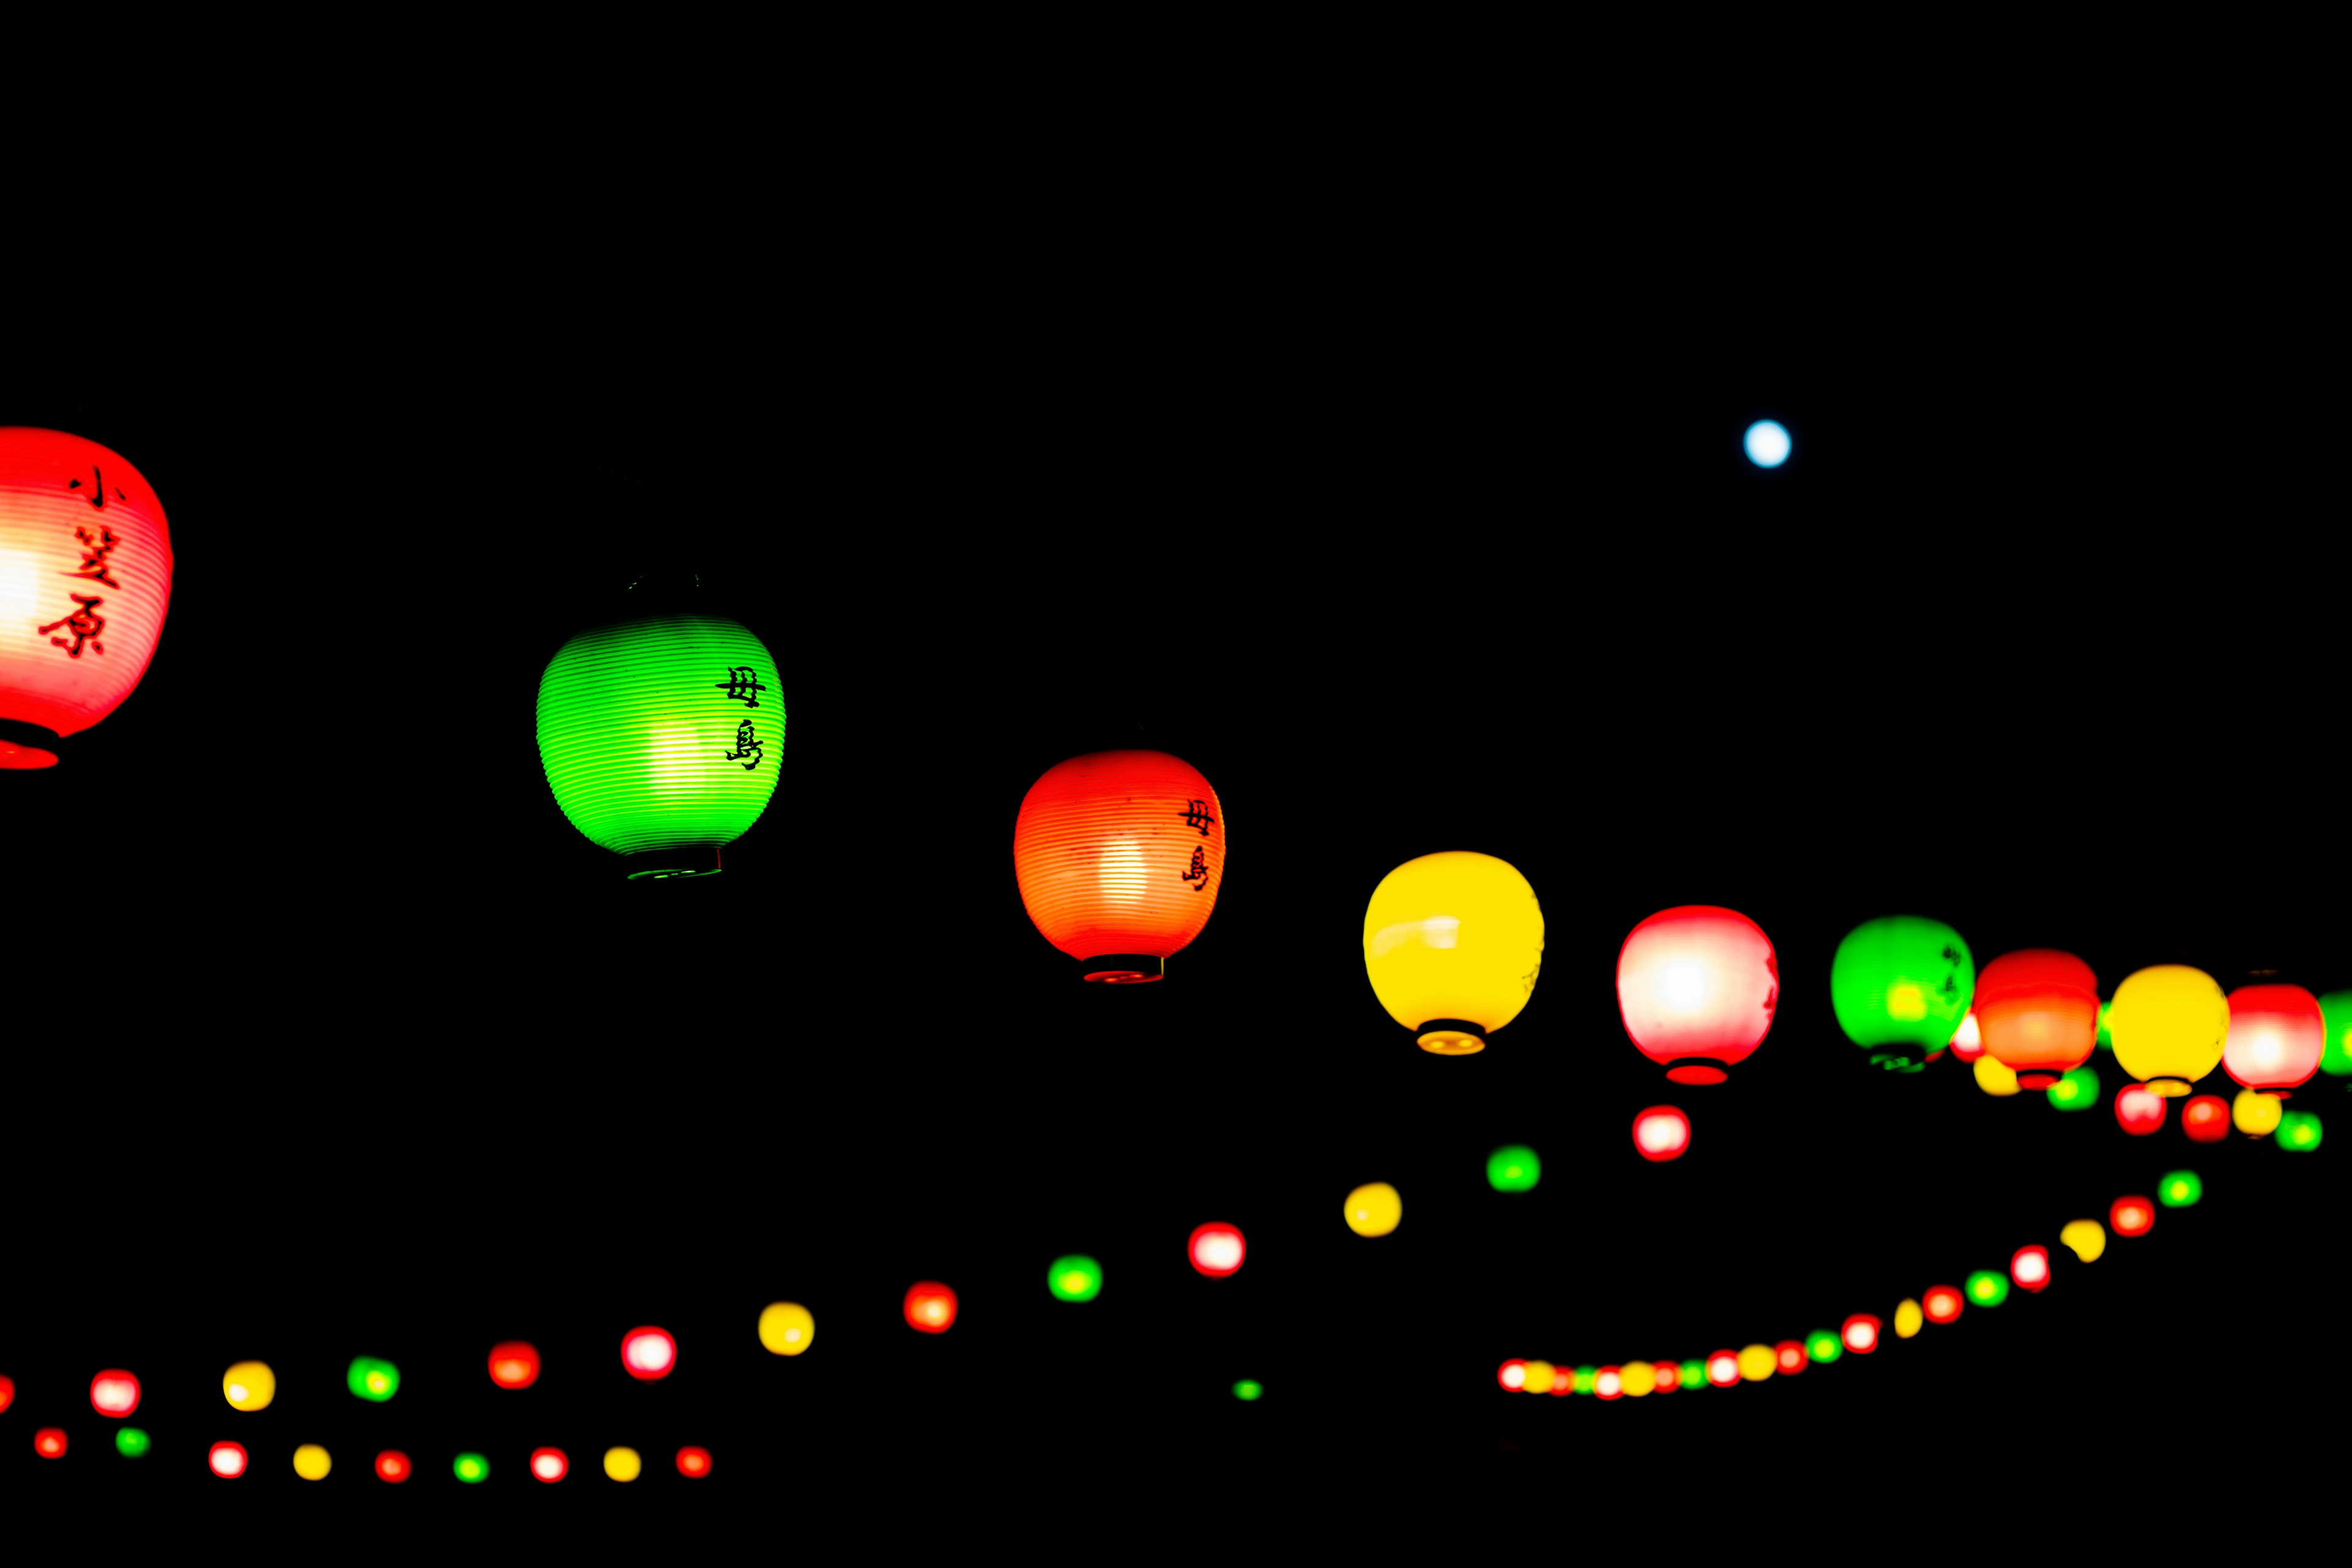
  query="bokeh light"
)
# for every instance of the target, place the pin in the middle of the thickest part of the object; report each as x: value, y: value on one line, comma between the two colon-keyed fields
x: 1639, y: 1379
x: 1563, y: 1382
x: 1513, y: 1168
x: 786, y: 1328
x: 1993, y: 1075
x: 2086, y: 1239
x: 1216, y: 1249
x: 1861, y: 1333
x: 1967, y: 1040
x: 373, y: 1378
x: 1667, y: 1374
x: 648, y: 1353
x: 1248, y: 1389
x: 1757, y: 1363
x: 2179, y: 1189
x: 2205, y: 1118
x: 1822, y: 1345
x: 1374, y: 1209
x: 1987, y: 1288
x: 2139, y: 1110
x: 1941, y: 1304
x: 514, y: 1365
x: 393, y: 1465
x: 1609, y: 1383
x: 1788, y: 1357
x: 114, y: 1392
x: 1694, y: 1374
x: 1767, y: 443
x: 2335, y: 1010
x: 227, y: 1460
x: 131, y: 1442
x: 2132, y: 1215
x: 1537, y: 1377
x: 550, y: 1463
x: 311, y: 1462
x: 693, y: 1463
x: 2078, y: 1091
x: 250, y: 1385
x: 931, y: 1307
x: 2299, y: 1130
x: 2256, y: 1114
x: 1909, y: 1317
x: 1723, y: 1369
x: 1661, y: 1133
x: 1512, y: 1375
x: 2029, y: 1267
x: 7, y: 1392
x: 1582, y: 1381
x: 471, y: 1467
x: 49, y: 1442
x: 1073, y: 1277
x: 623, y: 1464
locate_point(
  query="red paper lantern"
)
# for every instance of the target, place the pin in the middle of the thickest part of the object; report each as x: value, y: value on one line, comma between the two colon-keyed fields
x: 1968, y: 1041
x: 2139, y: 1110
x: 227, y: 1460
x: 1788, y: 1357
x: 1696, y: 986
x: 2277, y: 1036
x: 2038, y: 1012
x: 1216, y: 1249
x: 49, y: 1442
x: 514, y: 1365
x: 1941, y: 1304
x: 2030, y: 1265
x: 1661, y: 1133
x: 114, y: 1392
x: 694, y: 1463
x: 648, y: 1353
x: 1118, y: 856
x: 1860, y: 1333
x: 1723, y: 1369
x: 85, y: 576
x: 393, y: 1465
x: 1512, y: 1374
x: 1609, y: 1383
x: 2206, y: 1118
x: 931, y: 1307
x: 2133, y: 1216
x: 550, y: 1463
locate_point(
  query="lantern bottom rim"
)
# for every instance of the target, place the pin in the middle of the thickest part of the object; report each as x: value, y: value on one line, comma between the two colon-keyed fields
x: 24, y: 746
x: 2038, y: 1077
x: 1451, y: 1038
x: 1694, y: 1069
x: 1125, y: 968
x: 2168, y: 1087
x: 667, y: 865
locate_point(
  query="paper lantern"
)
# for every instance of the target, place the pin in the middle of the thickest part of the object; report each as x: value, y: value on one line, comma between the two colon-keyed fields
x: 1248, y: 1390
x: 1215, y: 1248
x: 1789, y: 1357
x: 1993, y: 1075
x: 1941, y: 1304
x: 2254, y: 1113
x: 1639, y: 1379
x: 2206, y: 1118
x: 1661, y: 1133
x: 2298, y: 1131
x: 1453, y: 943
x: 648, y: 1353
x: 471, y: 1469
x: 1074, y: 1277
x: 549, y: 1465
x: 1696, y: 986
x: 2277, y: 1036
x: 1694, y: 1375
x: 929, y: 1307
x: 2038, y: 1012
x: 1723, y: 1369
x: 2335, y: 1009
x: 250, y: 1385
x: 1374, y: 1209
x: 1822, y: 1345
x: 312, y: 1462
x: 1909, y: 1317
x: 1609, y: 1383
x: 787, y: 1327
x: 372, y: 1378
x: 1668, y: 1375
x: 1514, y: 1168
x: 393, y: 1465
x: 1987, y: 1288
x: 85, y: 578
x: 227, y: 1460
x: 1538, y: 1378
x: 2169, y: 1023
x: 2139, y: 1110
x: 1757, y: 1363
x: 624, y: 1464
x: 1901, y: 985
x: 114, y: 1392
x: 2029, y: 1267
x: 49, y: 1442
x: 2085, y: 1238
x: 1860, y: 1332
x: 2078, y: 1090
x: 694, y: 1463
x: 132, y: 1443
x: 2132, y: 1215
x: 1968, y: 1041
x: 1512, y: 1375
x: 1118, y: 856
x: 661, y: 735
x: 2178, y: 1189
x: 514, y: 1365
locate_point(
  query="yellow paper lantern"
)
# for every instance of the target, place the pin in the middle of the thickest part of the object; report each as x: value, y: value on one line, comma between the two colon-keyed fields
x: 2254, y: 1113
x: 2087, y: 1237
x: 1374, y: 1209
x: 623, y: 1464
x: 1994, y: 1075
x: 1757, y: 1363
x: 1908, y: 1319
x: 250, y: 1385
x: 2168, y: 1025
x: 1539, y: 1376
x: 312, y: 1462
x: 1637, y: 1378
x: 786, y: 1328
x: 1451, y: 942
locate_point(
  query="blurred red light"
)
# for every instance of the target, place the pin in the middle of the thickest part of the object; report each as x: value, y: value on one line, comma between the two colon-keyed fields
x: 514, y: 1365
x: 1941, y: 1304
x: 1563, y: 1382
x: 549, y: 1464
x: 2206, y: 1118
x: 1789, y: 1357
x: 1609, y: 1383
x: 648, y: 1353
x: 1861, y: 1333
x: 2131, y: 1216
x: 692, y: 1461
x: 931, y: 1307
x: 392, y: 1464
x: 1512, y: 1375
x: 1216, y: 1249
x: 1670, y: 1376
x: 1661, y: 1133
x: 49, y: 1442
x: 2139, y: 1112
x: 7, y: 1393
x: 227, y: 1460
x: 2030, y: 1267
x: 1723, y: 1368
x: 114, y: 1392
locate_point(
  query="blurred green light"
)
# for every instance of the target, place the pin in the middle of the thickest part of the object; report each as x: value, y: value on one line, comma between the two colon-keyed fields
x: 2298, y: 1131
x: 2105, y: 1043
x: 1694, y: 1374
x: 1987, y: 1288
x: 2078, y: 1090
x: 131, y: 1442
x: 1822, y: 1345
x: 2336, y: 1013
x: 373, y: 1378
x: 2179, y: 1189
x: 472, y: 1468
x: 1582, y: 1381
x: 1247, y: 1389
x: 1075, y: 1277
x: 1513, y: 1168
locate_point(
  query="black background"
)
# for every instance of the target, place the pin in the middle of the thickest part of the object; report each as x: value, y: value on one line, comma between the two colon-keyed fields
x: 329, y: 1036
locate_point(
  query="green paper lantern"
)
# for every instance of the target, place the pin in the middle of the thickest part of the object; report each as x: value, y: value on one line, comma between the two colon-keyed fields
x: 1513, y: 1168
x: 2078, y: 1090
x: 2335, y: 1010
x: 661, y: 737
x: 1248, y: 1389
x: 1075, y: 1277
x: 1694, y: 1374
x: 1987, y: 1288
x: 2298, y: 1131
x: 1900, y: 985
x: 373, y: 1378
x: 1822, y: 1345
x: 1581, y: 1381
x: 131, y: 1442
x: 472, y: 1468
x: 2181, y: 1189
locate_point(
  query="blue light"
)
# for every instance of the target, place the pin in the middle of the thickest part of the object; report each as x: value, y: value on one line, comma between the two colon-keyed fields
x: 1767, y: 443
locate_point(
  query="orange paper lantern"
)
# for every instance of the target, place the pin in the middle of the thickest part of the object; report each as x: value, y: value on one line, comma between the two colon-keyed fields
x: 1696, y: 986
x: 2277, y: 1035
x: 514, y: 1365
x: 2038, y: 1012
x: 85, y: 577
x: 1118, y: 856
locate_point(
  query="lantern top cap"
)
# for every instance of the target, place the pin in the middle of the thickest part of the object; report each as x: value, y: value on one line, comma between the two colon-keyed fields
x: 2035, y: 969
x: 2270, y: 997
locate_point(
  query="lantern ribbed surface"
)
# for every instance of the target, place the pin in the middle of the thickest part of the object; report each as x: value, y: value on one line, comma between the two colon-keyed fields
x: 1119, y: 853
x: 662, y: 733
x: 83, y: 586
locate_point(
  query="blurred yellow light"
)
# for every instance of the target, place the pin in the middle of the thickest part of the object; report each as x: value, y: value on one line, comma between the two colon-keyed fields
x: 1637, y: 1378
x: 787, y: 1327
x: 1453, y: 939
x: 250, y: 1385
x: 1374, y: 1209
x: 2087, y: 1237
x: 1757, y: 1363
x: 1538, y: 1378
x: 2168, y: 1025
x: 1907, y: 1318
x: 623, y: 1464
x: 1995, y: 1076
x: 311, y: 1462
x: 2255, y: 1114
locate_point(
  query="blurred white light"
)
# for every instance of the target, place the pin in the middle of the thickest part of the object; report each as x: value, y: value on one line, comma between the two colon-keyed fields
x: 1768, y: 444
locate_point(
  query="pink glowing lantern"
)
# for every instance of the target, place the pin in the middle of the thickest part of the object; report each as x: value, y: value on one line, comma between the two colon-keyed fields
x: 2277, y: 1036
x: 1696, y: 986
x: 1661, y: 1133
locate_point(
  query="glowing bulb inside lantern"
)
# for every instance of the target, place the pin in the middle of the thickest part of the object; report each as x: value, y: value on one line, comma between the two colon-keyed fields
x: 1767, y: 443
x: 1122, y: 871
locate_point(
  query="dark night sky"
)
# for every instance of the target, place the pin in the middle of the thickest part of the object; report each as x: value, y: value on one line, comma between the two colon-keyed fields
x: 330, y: 1034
